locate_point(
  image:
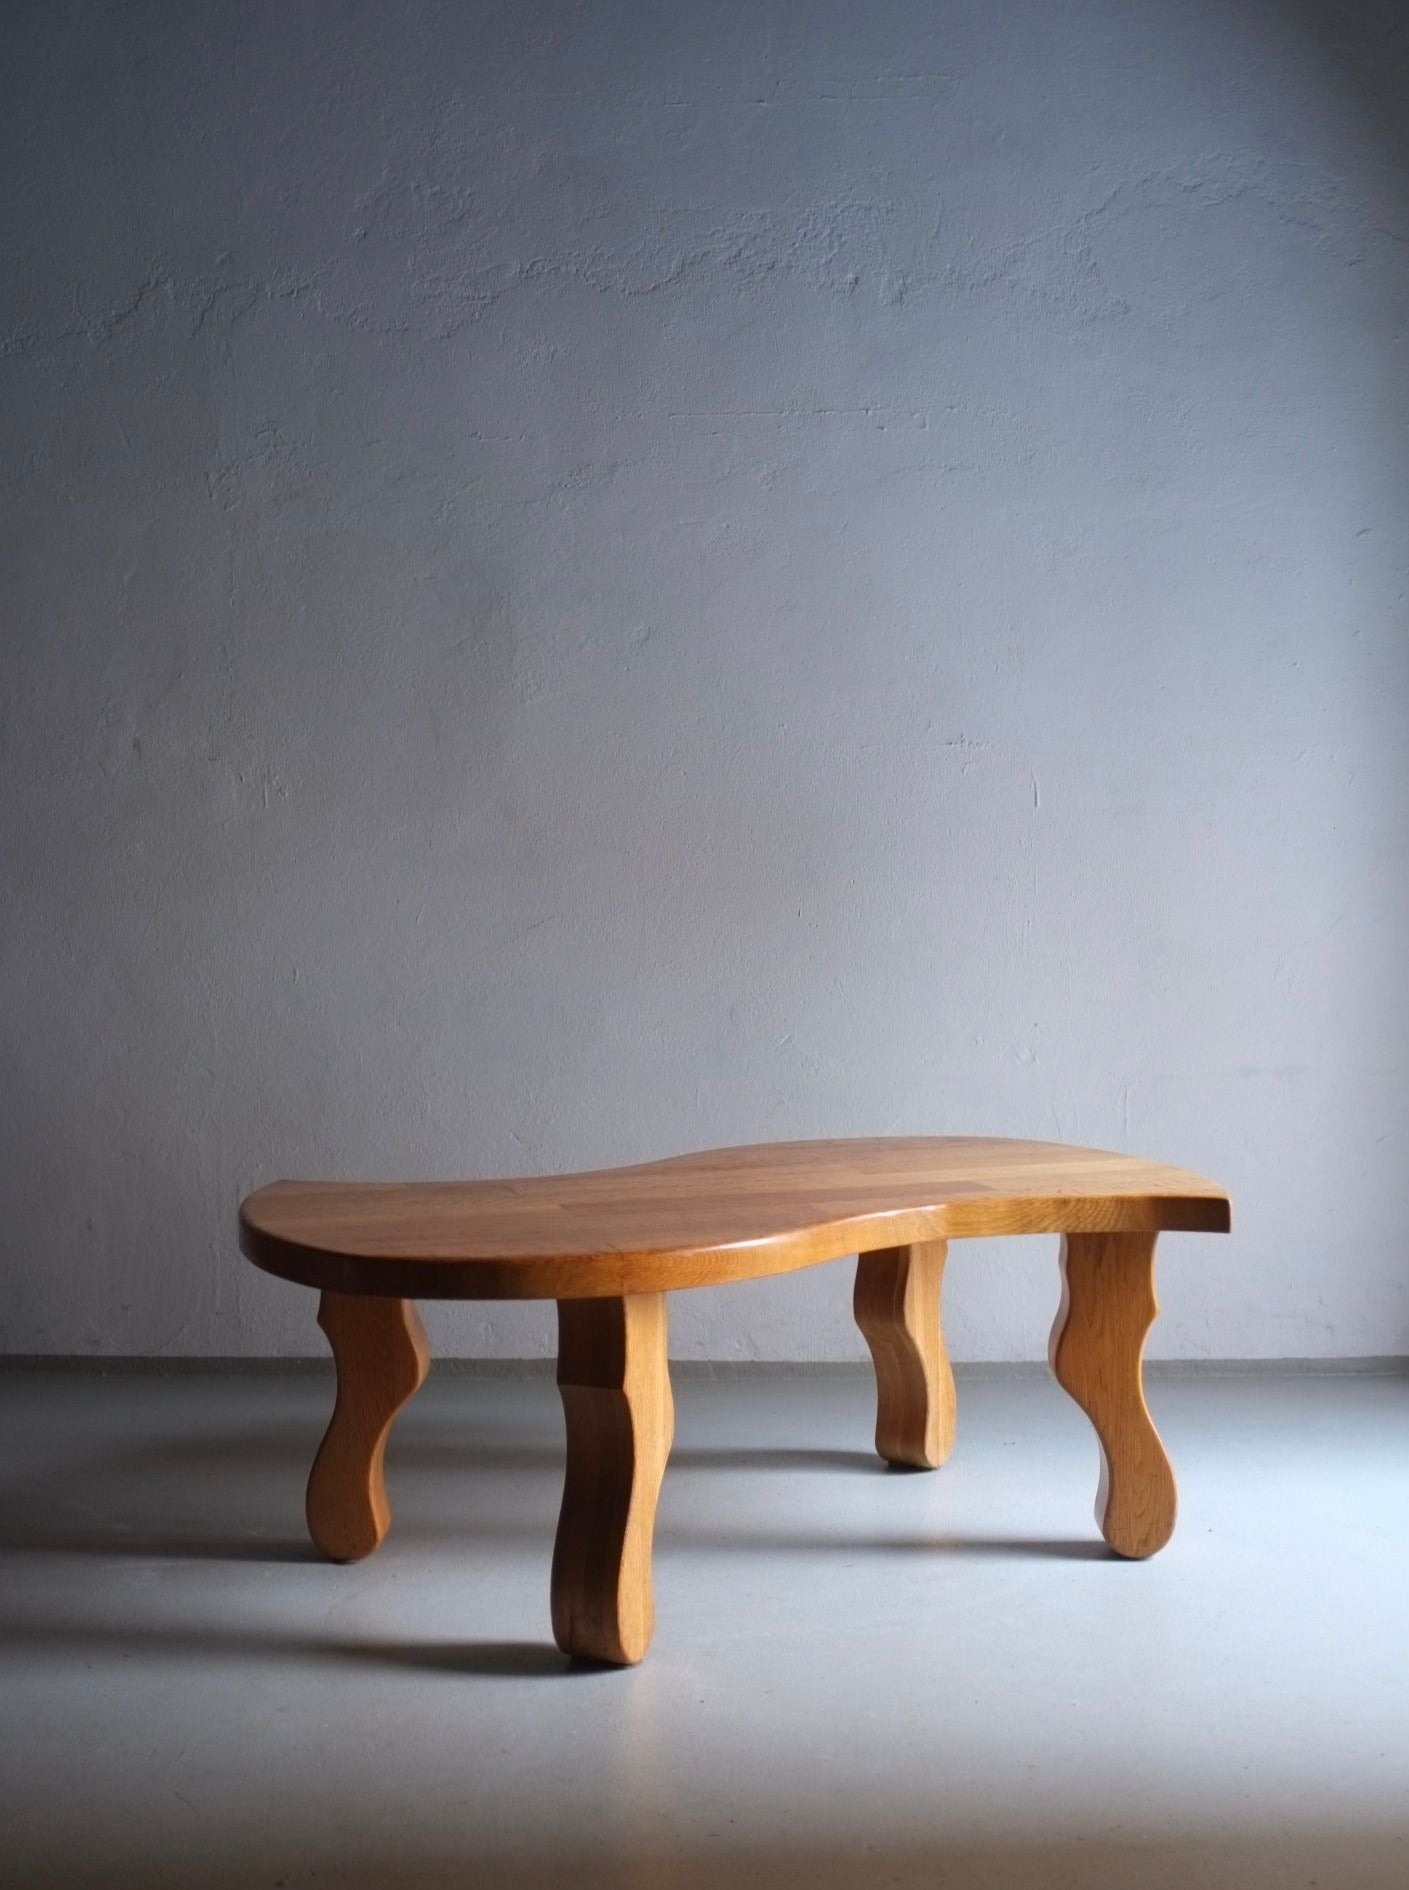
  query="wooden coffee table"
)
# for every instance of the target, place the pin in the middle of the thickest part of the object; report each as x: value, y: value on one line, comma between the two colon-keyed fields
x: 609, y: 1246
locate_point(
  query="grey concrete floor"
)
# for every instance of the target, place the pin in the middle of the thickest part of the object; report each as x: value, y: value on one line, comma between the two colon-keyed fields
x: 860, y: 1677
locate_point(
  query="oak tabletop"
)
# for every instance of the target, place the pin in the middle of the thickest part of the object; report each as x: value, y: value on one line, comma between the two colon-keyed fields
x: 702, y: 1219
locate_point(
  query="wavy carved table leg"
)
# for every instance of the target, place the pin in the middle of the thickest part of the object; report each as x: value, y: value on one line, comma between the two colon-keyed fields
x: 897, y: 1308
x: 380, y: 1349
x: 1108, y: 1305
x: 615, y: 1385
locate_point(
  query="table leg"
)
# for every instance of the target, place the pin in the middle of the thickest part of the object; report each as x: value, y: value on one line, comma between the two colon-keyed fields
x: 1108, y: 1305
x: 382, y: 1357
x: 897, y: 1308
x: 615, y: 1385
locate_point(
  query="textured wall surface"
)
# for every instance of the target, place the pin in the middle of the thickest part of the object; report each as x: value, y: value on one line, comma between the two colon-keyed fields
x: 582, y: 581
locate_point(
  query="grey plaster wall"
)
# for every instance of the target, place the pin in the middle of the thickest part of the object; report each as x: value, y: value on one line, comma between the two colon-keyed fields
x: 582, y: 581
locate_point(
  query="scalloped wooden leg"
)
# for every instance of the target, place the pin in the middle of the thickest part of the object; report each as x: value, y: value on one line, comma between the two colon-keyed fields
x: 896, y: 1303
x: 1108, y: 1305
x: 380, y: 1349
x: 615, y: 1385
